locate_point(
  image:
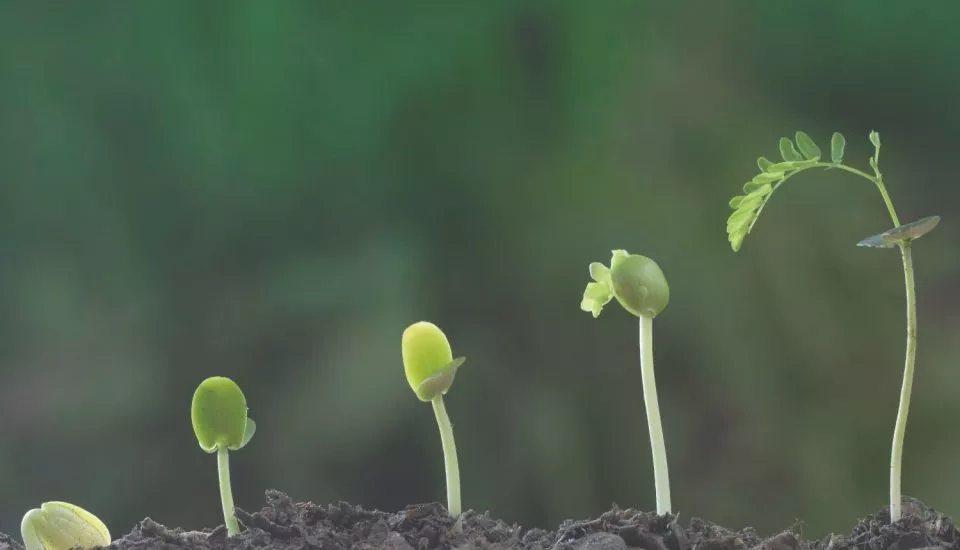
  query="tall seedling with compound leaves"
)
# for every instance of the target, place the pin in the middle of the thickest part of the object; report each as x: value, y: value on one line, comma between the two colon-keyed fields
x: 803, y: 155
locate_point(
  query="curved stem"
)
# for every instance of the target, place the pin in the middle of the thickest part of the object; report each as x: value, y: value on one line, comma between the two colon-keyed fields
x: 661, y: 477
x: 450, y: 463
x: 900, y: 428
x: 226, y: 493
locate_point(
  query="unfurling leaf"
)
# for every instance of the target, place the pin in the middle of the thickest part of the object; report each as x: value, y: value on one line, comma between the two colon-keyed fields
x: 837, y: 144
x: 787, y: 151
x: 807, y: 146
x: 875, y: 138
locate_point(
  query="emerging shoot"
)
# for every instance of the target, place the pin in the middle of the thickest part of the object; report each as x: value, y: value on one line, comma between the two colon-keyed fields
x: 757, y: 193
x: 219, y: 415
x: 430, y: 368
x: 61, y: 526
x: 639, y: 285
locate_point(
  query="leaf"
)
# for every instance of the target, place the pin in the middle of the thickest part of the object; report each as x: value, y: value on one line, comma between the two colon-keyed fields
x: 752, y: 186
x: 765, y: 177
x: 875, y: 138
x: 837, y: 145
x: 763, y: 163
x: 906, y: 232
x: 735, y: 201
x: 752, y: 201
x: 599, y: 272
x: 736, y: 241
x: 807, y: 146
x: 792, y: 165
x: 248, y: 432
x: 787, y: 150
x: 219, y: 414
x: 739, y: 218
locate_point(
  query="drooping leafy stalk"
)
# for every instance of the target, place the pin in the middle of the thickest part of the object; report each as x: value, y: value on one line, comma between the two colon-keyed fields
x: 758, y: 191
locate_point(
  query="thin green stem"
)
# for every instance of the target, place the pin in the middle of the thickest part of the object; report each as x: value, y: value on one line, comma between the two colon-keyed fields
x: 900, y: 428
x: 226, y: 493
x: 877, y: 180
x: 450, y: 463
x: 661, y: 477
x: 906, y: 389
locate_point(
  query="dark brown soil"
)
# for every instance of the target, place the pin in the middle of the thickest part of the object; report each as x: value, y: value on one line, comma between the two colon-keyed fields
x: 284, y: 524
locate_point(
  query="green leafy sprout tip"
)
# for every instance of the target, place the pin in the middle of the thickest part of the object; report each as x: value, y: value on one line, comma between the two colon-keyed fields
x: 756, y: 195
x: 640, y: 287
x: 219, y: 415
x: 61, y: 526
x: 430, y: 369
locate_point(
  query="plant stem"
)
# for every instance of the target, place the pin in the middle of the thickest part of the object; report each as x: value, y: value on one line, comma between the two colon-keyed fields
x: 661, y: 478
x: 450, y: 463
x: 226, y: 493
x: 899, y: 430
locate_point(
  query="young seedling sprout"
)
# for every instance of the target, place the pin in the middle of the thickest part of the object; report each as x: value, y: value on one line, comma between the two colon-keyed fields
x: 61, y: 526
x: 219, y: 414
x: 639, y: 285
x: 430, y: 368
x: 757, y: 192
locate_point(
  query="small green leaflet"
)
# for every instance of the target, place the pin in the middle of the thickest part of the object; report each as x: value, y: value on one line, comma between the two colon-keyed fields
x: 906, y: 232
x: 807, y: 146
x: 837, y: 144
x: 787, y: 151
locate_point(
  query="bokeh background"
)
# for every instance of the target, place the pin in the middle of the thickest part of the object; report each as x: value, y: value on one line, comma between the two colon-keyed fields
x: 273, y: 191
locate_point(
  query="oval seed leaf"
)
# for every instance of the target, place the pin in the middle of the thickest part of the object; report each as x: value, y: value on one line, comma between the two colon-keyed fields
x: 837, y: 145
x: 426, y: 353
x: 219, y: 414
x: 905, y: 232
x: 787, y: 151
x: 640, y: 286
x: 763, y: 163
x: 807, y: 146
x: 61, y: 526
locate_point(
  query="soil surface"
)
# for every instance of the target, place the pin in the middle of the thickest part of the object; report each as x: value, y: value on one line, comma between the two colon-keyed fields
x: 285, y: 524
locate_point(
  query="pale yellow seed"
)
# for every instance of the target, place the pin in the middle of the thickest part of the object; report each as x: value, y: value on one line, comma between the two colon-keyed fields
x: 61, y: 526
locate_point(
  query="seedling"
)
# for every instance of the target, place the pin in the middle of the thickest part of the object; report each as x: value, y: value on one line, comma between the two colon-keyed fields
x: 430, y: 368
x: 639, y: 285
x: 757, y: 193
x: 61, y: 526
x: 219, y: 414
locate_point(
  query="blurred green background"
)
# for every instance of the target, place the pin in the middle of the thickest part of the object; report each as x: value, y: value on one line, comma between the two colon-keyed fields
x: 273, y: 191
